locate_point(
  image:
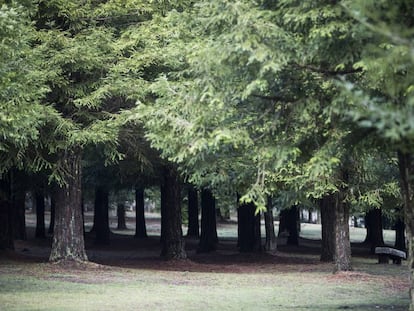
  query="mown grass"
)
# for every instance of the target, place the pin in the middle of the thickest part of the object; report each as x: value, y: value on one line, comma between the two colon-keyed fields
x: 39, y: 286
x: 222, y: 281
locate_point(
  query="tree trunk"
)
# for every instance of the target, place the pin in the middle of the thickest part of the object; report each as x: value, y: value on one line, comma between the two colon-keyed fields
x: 327, y: 208
x: 40, y: 215
x: 140, y: 226
x: 342, y: 255
x: 293, y: 224
x: 52, y: 213
x: 400, y: 235
x: 406, y: 167
x: 68, y: 240
x: 193, y: 224
x: 19, y: 217
x: 373, y: 223
x: 120, y: 214
x: 6, y: 215
x: 208, y: 238
x: 283, y: 218
x: 172, y: 240
x: 101, y: 216
x: 271, y: 240
x: 249, y: 239
x: 163, y: 211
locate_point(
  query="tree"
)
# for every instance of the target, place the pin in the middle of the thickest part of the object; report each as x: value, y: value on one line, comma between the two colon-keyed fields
x: 101, y: 215
x: 328, y: 230
x: 193, y: 223
x: 78, y: 51
x: 383, y: 100
x: 22, y: 86
x: 173, y: 245
x: 68, y: 240
x: 271, y: 240
x: 140, y: 227
x: 40, y: 215
x: 248, y: 228
x: 208, y: 237
x: 373, y: 223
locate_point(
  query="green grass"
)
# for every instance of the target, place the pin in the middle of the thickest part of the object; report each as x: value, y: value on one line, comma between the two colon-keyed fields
x: 296, y: 282
x: 308, y: 287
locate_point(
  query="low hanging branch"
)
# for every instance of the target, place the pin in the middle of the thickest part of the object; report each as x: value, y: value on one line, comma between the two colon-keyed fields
x: 329, y: 72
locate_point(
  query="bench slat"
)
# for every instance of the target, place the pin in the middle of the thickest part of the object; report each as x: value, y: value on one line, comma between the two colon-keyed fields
x: 390, y: 251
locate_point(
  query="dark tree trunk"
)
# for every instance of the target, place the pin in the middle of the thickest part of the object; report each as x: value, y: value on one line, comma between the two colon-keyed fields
x: 68, y: 240
x: 120, y: 214
x: 283, y: 219
x: 373, y: 223
x: 271, y: 240
x: 140, y: 226
x: 327, y: 208
x: 172, y: 241
x: 52, y: 213
x: 342, y: 255
x: 208, y: 238
x: 40, y: 215
x: 95, y: 218
x: 163, y: 211
x: 249, y: 239
x: 406, y: 167
x: 292, y: 223
x: 6, y: 215
x: 400, y: 235
x: 101, y: 216
x: 193, y: 224
x: 19, y: 217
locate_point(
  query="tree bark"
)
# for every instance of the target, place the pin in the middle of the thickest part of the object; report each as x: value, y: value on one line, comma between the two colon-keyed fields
x: 40, y: 215
x: 373, y: 223
x: 271, y: 240
x: 52, y: 213
x: 19, y: 213
x: 172, y: 239
x: 101, y: 216
x: 120, y: 213
x: 342, y: 255
x: 400, y: 235
x: 140, y: 226
x: 293, y: 224
x: 283, y: 216
x: 6, y: 215
x: 327, y: 208
x: 193, y: 223
x: 68, y: 240
x: 249, y: 239
x: 208, y: 238
x: 163, y: 210
x: 406, y: 168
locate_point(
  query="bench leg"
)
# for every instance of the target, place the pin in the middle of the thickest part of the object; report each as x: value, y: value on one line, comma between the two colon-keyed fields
x: 383, y: 259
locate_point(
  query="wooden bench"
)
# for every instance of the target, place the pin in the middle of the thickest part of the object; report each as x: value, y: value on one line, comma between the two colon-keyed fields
x: 385, y: 253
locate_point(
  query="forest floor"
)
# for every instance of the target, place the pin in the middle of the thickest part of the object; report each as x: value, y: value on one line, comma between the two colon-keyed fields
x: 129, y: 274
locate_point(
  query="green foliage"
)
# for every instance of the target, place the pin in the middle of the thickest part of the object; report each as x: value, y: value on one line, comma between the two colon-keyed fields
x: 243, y: 96
x: 384, y: 100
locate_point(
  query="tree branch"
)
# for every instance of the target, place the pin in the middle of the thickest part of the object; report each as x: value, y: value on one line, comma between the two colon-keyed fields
x: 274, y: 98
x: 329, y: 72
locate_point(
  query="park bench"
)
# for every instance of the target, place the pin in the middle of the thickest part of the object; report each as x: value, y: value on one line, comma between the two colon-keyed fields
x: 385, y: 253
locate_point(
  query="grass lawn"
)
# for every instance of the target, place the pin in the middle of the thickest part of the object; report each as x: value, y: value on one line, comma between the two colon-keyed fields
x: 129, y: 275
x: 300, y: 286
